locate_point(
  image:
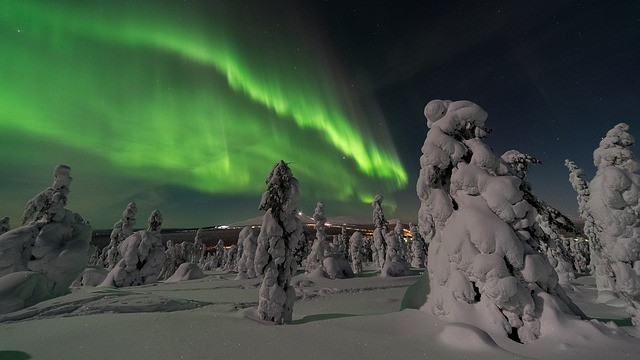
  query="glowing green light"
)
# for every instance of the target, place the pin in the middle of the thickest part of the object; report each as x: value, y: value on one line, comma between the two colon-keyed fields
x: 195, y: 102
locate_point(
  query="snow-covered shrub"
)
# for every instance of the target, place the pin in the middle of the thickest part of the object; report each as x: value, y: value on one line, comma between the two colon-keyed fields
x: 198, y: 248
x: 142, y: 254
x: 246, y: 268
x: 399, y: 231
x: 356, y: 251
x: 580, y: 254
x: 170, y: 262
x: 484, y: 264
x: 279, y: 233
x: 50, y: 251
x: 230, y: 260
x: 335, y: 265
x: 343, y: 243
x: 394, y: 264
x: 418, y: 252
x: 4, y: 225
x: 301, y: 252
x: 614, y: 204
x: 379, y: 243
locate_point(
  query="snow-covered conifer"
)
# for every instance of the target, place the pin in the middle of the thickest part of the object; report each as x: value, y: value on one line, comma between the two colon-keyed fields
x: 418, y: 252
x: 316, y: 256
x: 4, y: 225
x: 356, y: 251
x: 230, y: 258
x: 614, y: 204
x: 379, y: 243
x: 198, y: 248
x: 55, y: 245
x: 142, y: 254
x: 600, y: 266
x: 246, y: 268
x: 279, y: 234
x: 121, y: 230
x: 394, y: 264
x: 483, y: 238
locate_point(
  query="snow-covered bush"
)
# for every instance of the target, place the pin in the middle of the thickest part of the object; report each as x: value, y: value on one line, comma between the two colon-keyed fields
x: 142, y: 254
x: 246, y: 268
x: 379, y: 243
x: 418, y: 252
x: 399, y: 231
x: 171, y: 261
x: 335, y: 265
x: 356, y: 251
x: 186, y: 271
x: 614, y: 204
x: 279, y: 233
x: 51, y: 251
x: 484, y: 264
x: 230, y: 259
x: 4, y: 225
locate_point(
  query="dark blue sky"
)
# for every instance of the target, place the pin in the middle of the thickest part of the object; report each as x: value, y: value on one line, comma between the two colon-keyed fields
x: 553, y: 76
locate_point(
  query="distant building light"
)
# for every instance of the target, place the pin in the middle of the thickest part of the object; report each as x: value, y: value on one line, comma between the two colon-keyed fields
x: 300, y: 213
x: 223, y: 227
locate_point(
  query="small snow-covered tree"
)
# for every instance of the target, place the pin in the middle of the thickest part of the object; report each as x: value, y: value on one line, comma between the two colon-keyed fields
x: 483, y: 238
x: 356, y: 251
x: 418, y: 252
x: 142, y: 254
x: 379, y: 243
x: 399, y: 231
x: 198, y: 248
x: 246, y: 268
x: 230, y: 258
x: 170, y: 262
x: 279, y: 233
x: 121, y: 230
x: 394, y: 264
x: 215, y: 260
x: 614, y: 205
x: 316, y: 256
x: 343, y: 243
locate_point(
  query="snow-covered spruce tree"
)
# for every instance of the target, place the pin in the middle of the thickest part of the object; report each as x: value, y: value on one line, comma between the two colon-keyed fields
x: 246, y: 268
x: 356, y: 251
x: 316, y: 256
x: 336, y: 265
x: 170, y: 262
x: 418, y: 251
x: 198, y: 248
x: 121, y: 230
x: 230, y: 258
x: 4, y: 225
x: 367, y: 245
x: 484, y: 254
x: 600, y: 266
x: 580, y: 253
x: 279, y: 233
x: 301, y: 252
x: 394, y: 263
x: 550, y: 220
x: 343, y: 243
x: 217, y: 257
x: 53, y: 249
x: 379, y: 243
x: 614, y: 204
x: 142, y: 256
x: 240, y: 246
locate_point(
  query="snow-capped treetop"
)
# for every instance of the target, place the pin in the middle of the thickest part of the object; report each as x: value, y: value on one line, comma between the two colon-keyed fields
x: 614, y: 150
x: 4, y: 225
x: 282, y: 192
x: 155, y: 221
x: 579, y: 184
x: 519, y: 162
x: 39, y: 204
x: 129, y: 212
x: 378, y: 215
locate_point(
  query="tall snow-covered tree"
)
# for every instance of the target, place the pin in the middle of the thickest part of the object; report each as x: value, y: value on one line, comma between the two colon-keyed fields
x: 198, y: 247
x: 279, y: 234
x: 418, y: 251
x: 483, y: 238
x: 379, y: 243
x: 614, y: 205
x: 356, y: 251
x: 246, y: 268
x: 316, y: 256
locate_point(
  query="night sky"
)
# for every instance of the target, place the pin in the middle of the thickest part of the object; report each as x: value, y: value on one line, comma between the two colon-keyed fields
x: 185, y: 106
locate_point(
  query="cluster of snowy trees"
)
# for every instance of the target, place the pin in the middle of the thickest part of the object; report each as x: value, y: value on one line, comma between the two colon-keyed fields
x: 41, y: 258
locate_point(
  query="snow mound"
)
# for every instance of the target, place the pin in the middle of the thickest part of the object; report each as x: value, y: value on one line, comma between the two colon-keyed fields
x: 186, y: 271
x: 466, y: 337
x: 21, y: 289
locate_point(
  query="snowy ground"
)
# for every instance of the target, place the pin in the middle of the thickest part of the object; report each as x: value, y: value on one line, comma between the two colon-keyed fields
x: 212, y: 318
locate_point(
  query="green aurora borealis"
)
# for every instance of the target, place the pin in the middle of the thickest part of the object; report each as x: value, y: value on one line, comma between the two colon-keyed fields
x: 200, y: 100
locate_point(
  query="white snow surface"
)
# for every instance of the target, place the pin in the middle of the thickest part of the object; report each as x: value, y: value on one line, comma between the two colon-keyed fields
x: 359, y: 318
